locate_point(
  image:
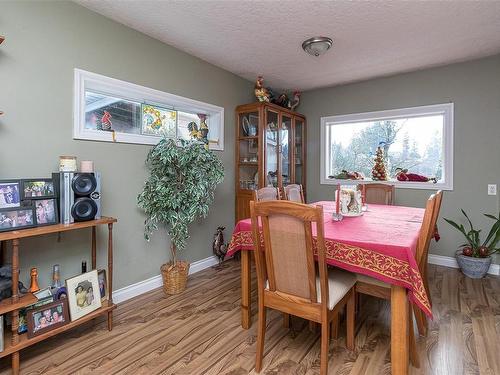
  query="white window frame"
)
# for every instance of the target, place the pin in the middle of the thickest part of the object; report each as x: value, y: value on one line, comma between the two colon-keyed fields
x: 446, y: 110
x: 84, y: 80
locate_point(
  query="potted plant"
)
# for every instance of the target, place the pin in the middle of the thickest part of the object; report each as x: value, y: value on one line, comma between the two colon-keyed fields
x: 180, y: 189
x: 474, y: 257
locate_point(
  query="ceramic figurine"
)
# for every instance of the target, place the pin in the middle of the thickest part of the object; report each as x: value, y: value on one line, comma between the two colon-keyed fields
x: 218, y: 246
x: 34, y: 287
x: 261, y: 93
x: 403, y: 175
x: 292, y: 104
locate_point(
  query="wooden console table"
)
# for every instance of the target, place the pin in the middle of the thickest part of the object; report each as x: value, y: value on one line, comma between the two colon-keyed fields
x: 14, y: 342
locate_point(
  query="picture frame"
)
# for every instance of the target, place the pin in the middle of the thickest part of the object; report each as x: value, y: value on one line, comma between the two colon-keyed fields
x: 43, y: 293
x: 10, y: 193
x: 103, y: 284
x: 47, y: 317
x: 15, y: 218
x: 38, y: 188
x: 83, y: 294
x: 46, y: 211
x: 22, y: 321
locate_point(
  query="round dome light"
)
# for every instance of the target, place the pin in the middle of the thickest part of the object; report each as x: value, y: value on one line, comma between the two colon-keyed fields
x: 317, y: 45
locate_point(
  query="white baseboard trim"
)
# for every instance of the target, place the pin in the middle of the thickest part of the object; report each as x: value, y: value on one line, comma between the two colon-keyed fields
x: 131, y: 291
x: 445, y: 261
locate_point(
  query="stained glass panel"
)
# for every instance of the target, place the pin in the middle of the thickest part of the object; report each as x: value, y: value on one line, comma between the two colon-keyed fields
x: 158, y: 121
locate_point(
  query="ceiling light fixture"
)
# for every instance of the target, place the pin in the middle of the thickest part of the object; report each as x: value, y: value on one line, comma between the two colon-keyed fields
x: 317, y: 45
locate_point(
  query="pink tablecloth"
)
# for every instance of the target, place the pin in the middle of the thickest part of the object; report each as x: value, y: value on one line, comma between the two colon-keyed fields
x: 381, y: 244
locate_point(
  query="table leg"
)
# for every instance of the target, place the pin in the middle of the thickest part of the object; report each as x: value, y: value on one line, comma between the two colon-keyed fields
x: 399, y: 331
x: 94, y: 257
x: 246, y: 306
x: 110, y: 274
x: 15, y: 298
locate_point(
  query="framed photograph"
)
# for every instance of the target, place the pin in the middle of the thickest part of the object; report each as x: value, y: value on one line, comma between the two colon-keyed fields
x: 43, y: 293
x: 61, y: 293
x: 83, y: 294
x: 10, y: 194
x: 23, y: 322
x: 38, y: 188
x: 47, y: 317
x: 46, y: 211
x: 17, y: 218
x: 103, y: 284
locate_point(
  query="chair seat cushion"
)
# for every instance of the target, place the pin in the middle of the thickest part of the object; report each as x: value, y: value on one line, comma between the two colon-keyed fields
x: 339, y: 284
x: 371, y: 280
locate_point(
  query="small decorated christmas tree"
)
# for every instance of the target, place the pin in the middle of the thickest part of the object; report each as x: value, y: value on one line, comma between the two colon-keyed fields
x: 379, y: 171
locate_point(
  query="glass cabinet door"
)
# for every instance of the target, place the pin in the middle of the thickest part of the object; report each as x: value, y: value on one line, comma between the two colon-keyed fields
x: 271, y: 140
x: 248, y: 146
x: 286, y: 146
x: 299, y: 151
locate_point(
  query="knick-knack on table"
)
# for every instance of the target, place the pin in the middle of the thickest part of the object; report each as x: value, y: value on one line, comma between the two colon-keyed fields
x: 56, y: 277
x: 34, y: 287
x: 379, y: 170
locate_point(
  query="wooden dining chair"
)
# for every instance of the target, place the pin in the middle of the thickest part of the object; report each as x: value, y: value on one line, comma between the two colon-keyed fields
x: 377, y: 288
x: 294, y: 193
x: 379, y: 193
x: 422, y: 256
x: 266, y: 194
x: 286, y: 272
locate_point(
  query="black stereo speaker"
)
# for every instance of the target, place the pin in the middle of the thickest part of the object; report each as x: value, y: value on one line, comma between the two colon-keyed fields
x: 79, y: 196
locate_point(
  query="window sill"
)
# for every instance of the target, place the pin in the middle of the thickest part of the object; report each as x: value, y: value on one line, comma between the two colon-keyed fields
x: 397, y: 184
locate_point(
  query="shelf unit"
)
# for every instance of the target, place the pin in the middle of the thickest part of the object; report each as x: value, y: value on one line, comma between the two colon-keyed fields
x: 274, y: 137
x: 14, y: 342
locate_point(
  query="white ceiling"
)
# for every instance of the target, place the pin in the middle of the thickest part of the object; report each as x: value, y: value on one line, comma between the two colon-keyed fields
x: 371, y: 39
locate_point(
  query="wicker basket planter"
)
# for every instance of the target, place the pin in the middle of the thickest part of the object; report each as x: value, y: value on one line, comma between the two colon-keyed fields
x: 174, y: 278
x: 475, y: 268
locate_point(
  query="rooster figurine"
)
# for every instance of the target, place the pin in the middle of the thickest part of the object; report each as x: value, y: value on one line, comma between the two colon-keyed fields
x: 261, y: 93
x: 219, y: 247
x: 292, y: 104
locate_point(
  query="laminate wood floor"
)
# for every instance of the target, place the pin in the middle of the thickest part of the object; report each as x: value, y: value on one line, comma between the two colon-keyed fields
x: 198, y: 332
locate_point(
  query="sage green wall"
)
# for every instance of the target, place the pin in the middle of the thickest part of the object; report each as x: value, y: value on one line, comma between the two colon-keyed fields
x: 44, y: 42
x: 473, y: 86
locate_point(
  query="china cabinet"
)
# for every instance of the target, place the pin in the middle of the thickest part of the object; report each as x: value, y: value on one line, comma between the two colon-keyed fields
x: 270, y: 151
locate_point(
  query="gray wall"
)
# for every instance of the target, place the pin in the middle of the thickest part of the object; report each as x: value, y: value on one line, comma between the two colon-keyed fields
x: 474, y: 87
x: 44, y: 42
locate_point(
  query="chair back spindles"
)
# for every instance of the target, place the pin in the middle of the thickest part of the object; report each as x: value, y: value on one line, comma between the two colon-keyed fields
x: 379, y: 194
x: 427, y: 229
x: 266, y: 194
x: 294, y: 193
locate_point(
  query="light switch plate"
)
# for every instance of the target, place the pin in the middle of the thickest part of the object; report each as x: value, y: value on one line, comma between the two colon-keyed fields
x: 492, y: 189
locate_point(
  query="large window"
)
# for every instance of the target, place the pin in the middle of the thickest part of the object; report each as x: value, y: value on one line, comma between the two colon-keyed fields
x: 418, y: 139
x: 107, y: 109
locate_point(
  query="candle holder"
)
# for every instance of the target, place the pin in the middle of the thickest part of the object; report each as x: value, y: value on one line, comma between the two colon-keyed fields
x: 336, y: 215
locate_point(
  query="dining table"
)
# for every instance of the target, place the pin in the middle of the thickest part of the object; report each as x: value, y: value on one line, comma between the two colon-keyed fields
x: 380, y: 243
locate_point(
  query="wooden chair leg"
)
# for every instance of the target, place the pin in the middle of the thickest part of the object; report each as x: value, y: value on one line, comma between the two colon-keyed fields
x: 426, y: 284
x: 421, y: 319
x: 351, y: 314
x: 334, y: 329
x: 325, y: 342
x: 313, y: 326
x: 286, y: 320
x: 261, y: 333
x: 413, y: 344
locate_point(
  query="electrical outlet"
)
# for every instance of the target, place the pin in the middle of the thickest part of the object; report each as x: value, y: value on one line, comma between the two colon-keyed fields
x: 492, y: 189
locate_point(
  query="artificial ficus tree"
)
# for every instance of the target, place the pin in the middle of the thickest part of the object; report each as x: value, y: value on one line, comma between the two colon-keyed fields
x: 179, y: 189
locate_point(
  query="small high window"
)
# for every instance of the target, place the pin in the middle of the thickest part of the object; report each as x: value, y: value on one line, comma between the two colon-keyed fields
x: 107, y: 109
